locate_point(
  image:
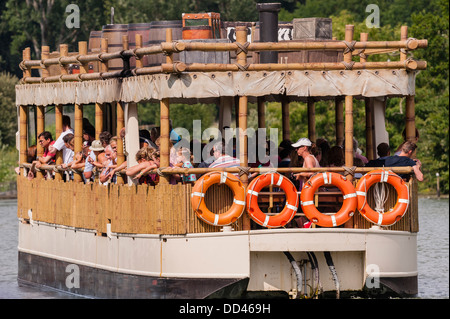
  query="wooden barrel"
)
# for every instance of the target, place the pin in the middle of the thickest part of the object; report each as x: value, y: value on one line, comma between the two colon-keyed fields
x: 95, y: 40
x: 94, y: 46
x: 144, y: 30
x: 197, y: 32
x: 158, y: 35
x: 114, y: 33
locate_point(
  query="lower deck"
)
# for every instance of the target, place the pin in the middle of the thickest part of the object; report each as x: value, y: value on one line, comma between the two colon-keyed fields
x: 229, y: 264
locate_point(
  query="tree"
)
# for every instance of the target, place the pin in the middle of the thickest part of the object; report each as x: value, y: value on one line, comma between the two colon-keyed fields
x: 8, y: 122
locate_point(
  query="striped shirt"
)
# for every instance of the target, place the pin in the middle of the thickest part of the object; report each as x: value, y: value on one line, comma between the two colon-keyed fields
x: 225, y: 161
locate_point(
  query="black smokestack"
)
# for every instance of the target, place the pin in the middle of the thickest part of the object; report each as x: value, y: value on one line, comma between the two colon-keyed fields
x: 268, y: 29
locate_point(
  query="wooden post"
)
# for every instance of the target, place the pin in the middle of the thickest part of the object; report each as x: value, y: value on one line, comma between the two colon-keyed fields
x: 40, y: 127
x: 261, y: 112
x: 99, y: 110
x: 349, y: 118
x: 241, y: 58
x: 23, y: 113
x: 164, y: 153
x: 78, y: 137
x: 285, y: 119
x: 370, y: 147
x: 139, y: 62
x: 368, y: 107
x: 410, y: 117
x: 311, y: 120
x: 104, y: 49
x: 169, y: 57
x: 58, y: 131
x: 63, y: 51
x: 82, y: 50
x: 339, y: 120
x: 45, y: 54
x: 120, y: 126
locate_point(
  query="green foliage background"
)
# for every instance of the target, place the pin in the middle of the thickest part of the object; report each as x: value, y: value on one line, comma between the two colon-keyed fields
x: 34, y: 23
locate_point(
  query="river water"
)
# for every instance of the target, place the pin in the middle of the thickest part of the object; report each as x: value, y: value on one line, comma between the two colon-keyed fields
x: 433, y: 253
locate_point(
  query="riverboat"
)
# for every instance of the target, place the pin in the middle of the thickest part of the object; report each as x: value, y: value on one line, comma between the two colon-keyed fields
x: 125, y: 240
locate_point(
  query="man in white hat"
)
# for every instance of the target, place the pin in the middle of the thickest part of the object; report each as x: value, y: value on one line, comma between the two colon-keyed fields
x: 304, y: 149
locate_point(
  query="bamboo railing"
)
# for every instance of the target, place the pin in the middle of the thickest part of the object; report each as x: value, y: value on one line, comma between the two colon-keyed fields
x: 143, y: 209
x: 239, y: 47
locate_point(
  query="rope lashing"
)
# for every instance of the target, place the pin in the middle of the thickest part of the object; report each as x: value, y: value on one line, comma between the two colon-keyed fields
x: 350, y: 46
x: 244, y: 170
x: 242, y: 67
x: 349, y: 170
x: 159, y: 171
x: 348, y: 65
x: 242, y: 47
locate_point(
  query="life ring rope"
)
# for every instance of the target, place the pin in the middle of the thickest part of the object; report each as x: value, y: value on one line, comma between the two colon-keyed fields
x: 379, y: 216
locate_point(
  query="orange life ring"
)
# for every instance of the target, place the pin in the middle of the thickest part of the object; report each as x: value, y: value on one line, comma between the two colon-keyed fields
x: 348, y: 206
x: 383, y: 176
x: 290, y: 208
x: 199, y: 205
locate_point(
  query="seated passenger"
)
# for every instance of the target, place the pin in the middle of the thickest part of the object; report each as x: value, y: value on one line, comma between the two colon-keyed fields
x: 405, y: 158
x: 48, y: 158
x: 184, y: 156
x: 145, y: 160
x: 221, y: 158
x: 383, y: 151
x: 105, y: 175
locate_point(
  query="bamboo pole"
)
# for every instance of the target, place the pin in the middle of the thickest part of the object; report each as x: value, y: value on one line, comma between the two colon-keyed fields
x: 99, y: 111
x: 285, y: 119
x: 410, y: 117
x: 403, y: 37
x: 364, y: 37
x: 164, y: 138
x: 241, y: 58
x: 23, y: 122
x: 261, y: 112
x: 311, y: 120
x: 58, y: 130
x: 169, y: 54
x: 339, y: 120
x: 40, y: 127
x: 104, y: 50
x: 139, y: 62
x: 82, y: 50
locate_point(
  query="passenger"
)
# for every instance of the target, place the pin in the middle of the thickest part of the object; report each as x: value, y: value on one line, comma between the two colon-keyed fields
x: 45, y: 140
x: 144, y: 157
x: 324, y: 146
x: 88, y: 131
x: 105, y: 176
x: 116, y: 168
x: 154, y: 134
x: 31, y: 153
x: 336, y: 157
x: 399, y: 148
x: 98, y: 150
x: 357, y: 152
x: 305, y: 148
x: 406, y: 158
x: 145, y: 139
x: 383, y: 151
x: 222, y: 159
x: 184, y: 156
x: 104, y: 138
x: 67, y: 153
x: 155, y: 164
